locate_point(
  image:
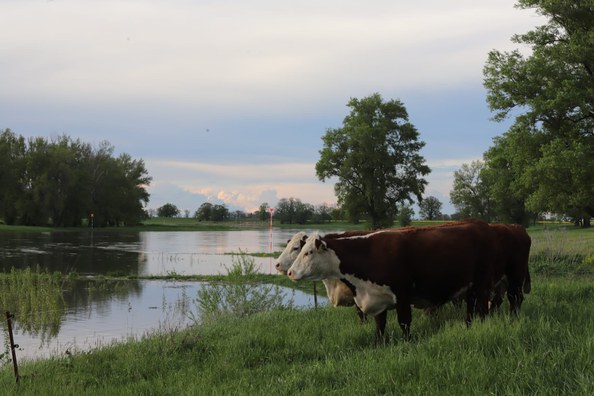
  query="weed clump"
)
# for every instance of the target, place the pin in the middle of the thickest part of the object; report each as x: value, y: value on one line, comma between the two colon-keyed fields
x: 240, y: 294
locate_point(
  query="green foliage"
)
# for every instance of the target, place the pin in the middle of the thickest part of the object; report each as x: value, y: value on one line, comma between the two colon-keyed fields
x: 375, y: 156
x: 293, y: 211
x: 547, y: 350
x: 239, y: 295
x: 405, y: 215
x: 62, y: 181
x: 35, y: 297
x: 553, y: 90
x: 470, y: 193
x: 210, y: 212
x: 168, y: 210
x: 430, y: 208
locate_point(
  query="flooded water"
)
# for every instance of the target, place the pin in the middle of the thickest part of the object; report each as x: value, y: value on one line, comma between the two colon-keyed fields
x: 137, y: 253
x: 92, y: 314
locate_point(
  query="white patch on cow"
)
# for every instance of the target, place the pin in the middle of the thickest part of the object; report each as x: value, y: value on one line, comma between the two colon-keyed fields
x: 285, y: 260
x: 365, y: 236
x: 370, y: 297
x: 338, y: 293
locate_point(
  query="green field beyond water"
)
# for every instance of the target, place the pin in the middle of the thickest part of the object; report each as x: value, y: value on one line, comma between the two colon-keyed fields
x: 549, y: 349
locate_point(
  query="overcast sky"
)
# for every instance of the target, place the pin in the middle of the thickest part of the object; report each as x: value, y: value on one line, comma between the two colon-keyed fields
x: 227, y: 101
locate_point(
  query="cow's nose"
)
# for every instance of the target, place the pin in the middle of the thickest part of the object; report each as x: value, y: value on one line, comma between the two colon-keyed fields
x: 289, y: 273
x: 277, y: 265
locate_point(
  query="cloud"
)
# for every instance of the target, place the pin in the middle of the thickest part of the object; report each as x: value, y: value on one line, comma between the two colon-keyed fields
x: 255, y: 55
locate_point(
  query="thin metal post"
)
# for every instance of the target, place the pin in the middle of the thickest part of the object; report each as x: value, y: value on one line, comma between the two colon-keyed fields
x: 13, y: 347
x: 315, y: 295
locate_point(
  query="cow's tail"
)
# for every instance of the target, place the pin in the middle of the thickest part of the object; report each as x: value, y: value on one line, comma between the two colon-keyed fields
x: 527, y: 284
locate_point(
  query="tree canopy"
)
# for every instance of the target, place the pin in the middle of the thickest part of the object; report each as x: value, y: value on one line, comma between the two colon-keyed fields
x: 375, y: 157
x: 168, y: 210
x: 430, y: 208
x: 552, y: 92
x: 62, y: 181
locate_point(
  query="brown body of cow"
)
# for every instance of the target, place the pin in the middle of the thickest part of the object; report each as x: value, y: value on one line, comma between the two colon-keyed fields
x: 511, y: 265
x: 426, y: 266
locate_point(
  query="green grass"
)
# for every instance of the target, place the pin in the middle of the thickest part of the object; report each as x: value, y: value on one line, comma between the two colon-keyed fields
x: 549, y: 349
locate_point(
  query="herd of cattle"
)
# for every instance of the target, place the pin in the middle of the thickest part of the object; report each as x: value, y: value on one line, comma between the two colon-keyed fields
x: 424, y: 267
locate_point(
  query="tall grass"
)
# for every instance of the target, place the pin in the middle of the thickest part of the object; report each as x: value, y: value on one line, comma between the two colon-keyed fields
x: 562, y: 251
x: 240, y: 294
x: 36, y: 299
x: 549, y: 349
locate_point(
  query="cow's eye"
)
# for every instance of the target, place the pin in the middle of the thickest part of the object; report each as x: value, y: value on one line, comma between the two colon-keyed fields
x: 296, y: 248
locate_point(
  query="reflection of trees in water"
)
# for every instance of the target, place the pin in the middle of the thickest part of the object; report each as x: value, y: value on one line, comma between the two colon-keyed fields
x: 36, y: 299
x: 98, y: 294
x: 40, y: 300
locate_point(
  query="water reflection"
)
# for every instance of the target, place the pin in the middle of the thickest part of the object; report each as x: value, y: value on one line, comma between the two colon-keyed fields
x: 136, y: 253
x: 85, y: 314
x: 95, y: 314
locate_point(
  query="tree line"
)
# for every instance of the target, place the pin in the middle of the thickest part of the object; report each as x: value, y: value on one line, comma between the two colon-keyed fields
x: 66, y: 182
x: 545, y: 162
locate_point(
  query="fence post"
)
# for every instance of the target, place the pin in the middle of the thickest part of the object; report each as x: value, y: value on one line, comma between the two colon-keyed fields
x: 315, y: 295
x: 9, y: 317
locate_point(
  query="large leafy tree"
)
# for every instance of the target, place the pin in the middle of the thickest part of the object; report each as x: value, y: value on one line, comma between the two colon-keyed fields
x: 552, y: 92
x: 470, y: 192
x: 375, y: 157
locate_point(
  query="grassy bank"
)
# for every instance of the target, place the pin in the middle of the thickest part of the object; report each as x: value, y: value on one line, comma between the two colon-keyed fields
x: 548, y: 350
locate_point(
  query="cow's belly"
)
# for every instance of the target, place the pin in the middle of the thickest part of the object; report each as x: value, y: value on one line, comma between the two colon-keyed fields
x: 372, y: 298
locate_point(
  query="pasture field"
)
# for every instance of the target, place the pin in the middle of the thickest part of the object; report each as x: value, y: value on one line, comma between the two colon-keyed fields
x: 548, y: 349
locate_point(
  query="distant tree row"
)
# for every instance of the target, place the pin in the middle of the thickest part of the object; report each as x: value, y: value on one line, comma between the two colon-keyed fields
x: 63, y: 182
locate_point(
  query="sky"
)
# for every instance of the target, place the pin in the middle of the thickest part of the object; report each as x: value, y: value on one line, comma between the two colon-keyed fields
x: 227, y: 101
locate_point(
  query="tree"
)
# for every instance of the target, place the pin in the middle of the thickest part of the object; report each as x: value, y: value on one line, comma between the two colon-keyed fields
x: 209, y: 212
x: 375, y: 156
x: 553, y: 91
x: 504, y: 173
x: 263, y: 213
x: 168, y: 210
x: 12, y: 169
x: 219, y: 213
x: 292, y: 211
x: 470, y: 194
x: 405, y: 215
x: 61, y: 181
x: 430, y: 208
x: 204, y: 212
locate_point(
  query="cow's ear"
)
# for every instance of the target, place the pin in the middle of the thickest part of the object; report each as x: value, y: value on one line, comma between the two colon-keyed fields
x: 320, y: 245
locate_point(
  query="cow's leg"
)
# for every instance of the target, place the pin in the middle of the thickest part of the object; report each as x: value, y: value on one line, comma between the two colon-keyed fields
x: 515, y: 298
x: 362, y: 316
x: 380, y: 326
x: 515, y: 293
x: 404, y: 317
x: 471, y: 301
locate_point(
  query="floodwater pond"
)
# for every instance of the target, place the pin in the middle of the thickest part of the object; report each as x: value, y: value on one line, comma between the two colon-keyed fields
x: 95, y: 313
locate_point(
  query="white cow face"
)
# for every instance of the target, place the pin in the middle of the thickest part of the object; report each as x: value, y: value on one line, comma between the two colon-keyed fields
x: 291, y: 252
x: 315, y: 262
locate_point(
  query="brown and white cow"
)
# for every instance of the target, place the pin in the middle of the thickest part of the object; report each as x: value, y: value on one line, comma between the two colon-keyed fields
x: 425, y: 266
